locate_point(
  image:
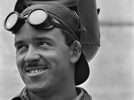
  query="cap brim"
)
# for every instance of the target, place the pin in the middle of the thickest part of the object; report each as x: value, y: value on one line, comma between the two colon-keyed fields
x: 81, y: 70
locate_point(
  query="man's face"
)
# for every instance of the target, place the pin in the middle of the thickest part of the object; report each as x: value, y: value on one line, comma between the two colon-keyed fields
x: 43, y: 58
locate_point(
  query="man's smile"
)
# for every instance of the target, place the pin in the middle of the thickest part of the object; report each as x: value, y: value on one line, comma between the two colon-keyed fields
x: 36, y: 70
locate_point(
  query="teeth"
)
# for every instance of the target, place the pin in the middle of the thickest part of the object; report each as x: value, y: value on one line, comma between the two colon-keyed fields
x: 35, y: 71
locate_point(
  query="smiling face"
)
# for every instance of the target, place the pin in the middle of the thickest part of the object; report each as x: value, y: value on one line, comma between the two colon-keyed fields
x: 43, y: 59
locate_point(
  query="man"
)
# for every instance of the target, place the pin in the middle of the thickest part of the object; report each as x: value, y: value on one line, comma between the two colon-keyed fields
x: 48, y: 51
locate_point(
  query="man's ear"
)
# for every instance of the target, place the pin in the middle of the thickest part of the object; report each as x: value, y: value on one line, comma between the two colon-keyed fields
x: 75, y: 51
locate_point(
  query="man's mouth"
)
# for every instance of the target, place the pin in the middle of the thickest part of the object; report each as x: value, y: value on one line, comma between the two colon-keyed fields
x: 35, y: 70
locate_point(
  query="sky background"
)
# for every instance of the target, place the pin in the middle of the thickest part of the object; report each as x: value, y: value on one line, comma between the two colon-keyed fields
x: 112, y: 69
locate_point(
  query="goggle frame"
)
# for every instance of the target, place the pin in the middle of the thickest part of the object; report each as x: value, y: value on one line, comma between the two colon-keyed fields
x: 49, y: 22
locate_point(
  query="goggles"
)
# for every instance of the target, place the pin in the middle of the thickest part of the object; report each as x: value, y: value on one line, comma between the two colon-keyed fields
x: 37, y: 18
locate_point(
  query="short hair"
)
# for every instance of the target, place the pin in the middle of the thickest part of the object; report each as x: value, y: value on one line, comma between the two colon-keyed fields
x: 69, y: 39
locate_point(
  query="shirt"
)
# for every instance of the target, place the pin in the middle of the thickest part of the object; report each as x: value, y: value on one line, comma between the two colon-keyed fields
x: 83, y: 95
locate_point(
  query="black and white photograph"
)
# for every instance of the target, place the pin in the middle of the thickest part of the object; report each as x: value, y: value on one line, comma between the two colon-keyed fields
x: 66, y: 50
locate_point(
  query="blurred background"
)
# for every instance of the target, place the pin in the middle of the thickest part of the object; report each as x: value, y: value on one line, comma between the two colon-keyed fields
x: 112, y: 69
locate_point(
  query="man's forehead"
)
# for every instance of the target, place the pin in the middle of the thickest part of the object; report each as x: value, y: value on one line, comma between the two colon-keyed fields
x: 26, y: 32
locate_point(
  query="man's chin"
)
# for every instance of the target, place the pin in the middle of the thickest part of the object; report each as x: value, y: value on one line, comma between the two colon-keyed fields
x: 36, y: 88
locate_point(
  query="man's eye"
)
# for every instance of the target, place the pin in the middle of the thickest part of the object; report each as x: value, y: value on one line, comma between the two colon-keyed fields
x: 21, y: 47
x: 44, y: 44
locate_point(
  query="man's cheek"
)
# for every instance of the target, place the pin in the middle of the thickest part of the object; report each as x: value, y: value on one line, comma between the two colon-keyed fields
x: 20, y: 63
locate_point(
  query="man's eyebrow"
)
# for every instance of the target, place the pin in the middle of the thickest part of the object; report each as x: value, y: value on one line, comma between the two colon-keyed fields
x: 18, y: 42
x: 36, y: 39
x: 43, y: 39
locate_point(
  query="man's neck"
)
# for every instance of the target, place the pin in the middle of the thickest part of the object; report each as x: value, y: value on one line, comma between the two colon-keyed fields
x: 68, y: 94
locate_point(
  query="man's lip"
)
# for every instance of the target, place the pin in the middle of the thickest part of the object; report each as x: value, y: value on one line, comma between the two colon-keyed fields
x: 36, y: 68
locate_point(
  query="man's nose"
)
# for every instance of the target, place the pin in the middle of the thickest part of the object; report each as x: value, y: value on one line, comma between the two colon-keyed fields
x: 32, y: 55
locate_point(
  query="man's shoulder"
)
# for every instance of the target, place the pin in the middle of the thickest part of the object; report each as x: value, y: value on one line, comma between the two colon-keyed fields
x: 84, y: 95
x: 16, y: 98
x: 87, y: 96
x: 22, y: 95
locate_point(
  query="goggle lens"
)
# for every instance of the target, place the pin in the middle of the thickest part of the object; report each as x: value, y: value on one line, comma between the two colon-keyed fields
x: 37, y: 17
x: 11, y: 21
